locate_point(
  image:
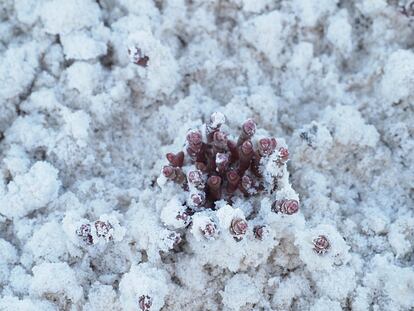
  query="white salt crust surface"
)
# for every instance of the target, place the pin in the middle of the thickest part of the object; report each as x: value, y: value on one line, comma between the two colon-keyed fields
x: 84, y: 134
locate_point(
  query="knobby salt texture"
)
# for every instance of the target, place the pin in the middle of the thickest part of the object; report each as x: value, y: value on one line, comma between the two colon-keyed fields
x: 84, y: 132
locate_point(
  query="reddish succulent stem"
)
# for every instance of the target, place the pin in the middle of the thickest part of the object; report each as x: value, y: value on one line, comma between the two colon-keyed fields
x: 234, y: 152
x: 197, y: 199
x: 211, y: 159
x: 201, y: 167
x: 214, y: 188
x: 222, y: 162
x: 219, y: 141
x: 248, y: 130
x: 288, y: 207
x: 174, y: 173
x: 266, y: 146
x: 232, y: 181
x: 214, y: 124
x: 245, y: 154
x: 255, y: 165
x: 194, y: 144
x: 176, y: 160
x: 245, y: 185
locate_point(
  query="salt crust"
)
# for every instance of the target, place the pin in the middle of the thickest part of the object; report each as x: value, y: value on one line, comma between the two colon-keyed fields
x: 83, y: 134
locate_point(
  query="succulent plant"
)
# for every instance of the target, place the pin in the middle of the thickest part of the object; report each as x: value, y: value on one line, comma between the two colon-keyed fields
x: 137, y: 57
x: 145, y: 302
x: 321, y: 244
x: 215, y: 166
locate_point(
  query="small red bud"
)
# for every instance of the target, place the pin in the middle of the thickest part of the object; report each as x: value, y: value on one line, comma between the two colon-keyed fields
x: 287, y: 207
x: 185, y: 217
x: 176, y: 160
x: 201, y: 167
x: 249, y: 128
x: 247, y: 147
x: 283, y: 154
x: 145, y: 302
x: 258, y: 232
x: 197, y: 199
x: 267, y: 146
x: 168, y: 172
x: 85, y: 233
x: 195, y: 178
x: 137, y: 57
x: 238, y: 227
x: 194, y: 137
x: 321, y: 245
x: 103, y: 229
x: 209, y: 231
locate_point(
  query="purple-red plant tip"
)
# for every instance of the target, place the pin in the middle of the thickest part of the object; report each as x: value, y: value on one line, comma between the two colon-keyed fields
x: 238, y: 226
x: 249, y: 127
x: 209, y: 230
x: 283, y: 154
x: 267, y: 146
x: 258, y: 232
x: 288, y: 207
x: 247, y: 147
x: 168, y: 171
x: 321, y: 244
x: 145, y: 302
x: 197, y: 199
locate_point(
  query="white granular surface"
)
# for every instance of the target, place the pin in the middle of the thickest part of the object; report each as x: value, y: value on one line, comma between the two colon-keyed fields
x: 84, y: 134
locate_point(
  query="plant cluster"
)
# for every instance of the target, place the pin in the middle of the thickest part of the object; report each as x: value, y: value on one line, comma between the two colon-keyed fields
x: 215, y: 166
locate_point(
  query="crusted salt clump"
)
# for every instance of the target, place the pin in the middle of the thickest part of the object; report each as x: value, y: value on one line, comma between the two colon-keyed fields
x: 7, y: 259
x: 63, y: 288
x: 334, y: 78
x: 158, y: 69
x: 102, y: 297
x: 271, y: 26
x: 44, y: 246
x: 286, y: 289
x: 105, y: 229
x: 322, y: 248
x: 240, y: 291
x: 325, y: 304
x: 401, y: 236
x: 398, y: 76
x: 61, y: 17
x: 175, y: 214
x: 382, y: 279
x: 143, y: 288
x: 81, y: 45
x: 11, y: 303
x: 340, y: 33
x: 31, y: 191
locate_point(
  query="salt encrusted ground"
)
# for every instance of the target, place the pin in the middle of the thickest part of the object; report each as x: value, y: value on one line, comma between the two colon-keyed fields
x: 84, y: 133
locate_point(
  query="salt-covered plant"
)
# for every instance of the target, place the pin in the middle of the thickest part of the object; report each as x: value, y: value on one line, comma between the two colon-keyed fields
x: 224, y: 185
x: 98, y: 233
